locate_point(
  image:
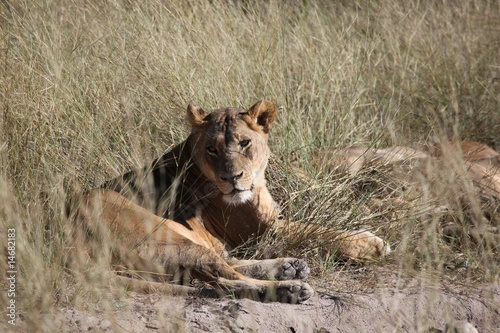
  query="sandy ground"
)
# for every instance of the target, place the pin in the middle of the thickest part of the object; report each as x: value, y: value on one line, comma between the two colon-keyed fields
x: 390, y: 304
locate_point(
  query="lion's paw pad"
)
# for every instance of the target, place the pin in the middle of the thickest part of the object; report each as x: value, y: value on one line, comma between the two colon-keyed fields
x: 295, y: 293
x: 293, y: 269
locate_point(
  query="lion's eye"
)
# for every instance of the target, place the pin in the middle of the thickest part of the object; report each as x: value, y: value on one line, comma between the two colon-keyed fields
x: 211, y: 150
x: 244, y: 143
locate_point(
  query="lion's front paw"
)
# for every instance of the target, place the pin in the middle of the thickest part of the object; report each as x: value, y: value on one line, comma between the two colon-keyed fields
x: 293, y: 269
x: 294, y: 291
x: 363, y: 245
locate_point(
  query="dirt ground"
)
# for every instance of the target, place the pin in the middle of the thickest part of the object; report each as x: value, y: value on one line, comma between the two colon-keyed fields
x: 388, y: 303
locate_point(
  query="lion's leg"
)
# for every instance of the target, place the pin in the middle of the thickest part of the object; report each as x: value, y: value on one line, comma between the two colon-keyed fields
x: 291, y: 291
x: 360, y: 244
x: 212, y: 268
x: 150, y: 242
x: 272, y: 269
x: 356, y: 244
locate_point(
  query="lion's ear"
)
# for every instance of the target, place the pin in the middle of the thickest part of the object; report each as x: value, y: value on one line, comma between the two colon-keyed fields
x: 264, y: 113
x: 195, y: 115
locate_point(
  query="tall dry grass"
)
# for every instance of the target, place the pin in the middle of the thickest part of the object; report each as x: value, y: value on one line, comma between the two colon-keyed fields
x: 92, y: 89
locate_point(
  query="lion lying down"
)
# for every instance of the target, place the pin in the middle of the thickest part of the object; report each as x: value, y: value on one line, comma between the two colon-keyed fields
x: 175, y: 219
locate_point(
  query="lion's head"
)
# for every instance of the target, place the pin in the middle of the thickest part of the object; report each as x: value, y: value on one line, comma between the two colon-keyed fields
x: 230, y: 147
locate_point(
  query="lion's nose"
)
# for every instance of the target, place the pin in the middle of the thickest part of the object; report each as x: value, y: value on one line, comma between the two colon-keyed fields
x: 231, y: 178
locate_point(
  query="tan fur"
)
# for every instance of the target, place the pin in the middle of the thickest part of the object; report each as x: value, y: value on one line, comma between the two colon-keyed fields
x: 470, y: 171
x: 353, y: 159
x: 224, y: 158
x: 482, y: 162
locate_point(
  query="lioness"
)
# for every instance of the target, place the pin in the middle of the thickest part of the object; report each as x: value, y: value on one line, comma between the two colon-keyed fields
x: 176, y: 218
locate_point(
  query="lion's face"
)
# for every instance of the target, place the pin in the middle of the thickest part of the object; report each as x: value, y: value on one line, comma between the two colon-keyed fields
x: 230, y: 148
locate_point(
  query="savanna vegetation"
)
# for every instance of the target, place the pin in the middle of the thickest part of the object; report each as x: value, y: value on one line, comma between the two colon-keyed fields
x: 91, y: 89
